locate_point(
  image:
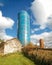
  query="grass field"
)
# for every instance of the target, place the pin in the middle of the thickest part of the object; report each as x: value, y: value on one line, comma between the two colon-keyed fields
x: 15, y: 59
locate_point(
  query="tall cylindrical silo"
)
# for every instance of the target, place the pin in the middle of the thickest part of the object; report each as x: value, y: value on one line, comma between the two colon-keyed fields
x: 24, y: 27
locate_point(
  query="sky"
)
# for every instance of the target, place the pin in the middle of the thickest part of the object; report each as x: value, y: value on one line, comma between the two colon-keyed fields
x: 40, y: 12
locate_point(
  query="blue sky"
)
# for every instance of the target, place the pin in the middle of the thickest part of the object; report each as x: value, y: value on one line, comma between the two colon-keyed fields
x: 11, y: 8
x: 40, y: 12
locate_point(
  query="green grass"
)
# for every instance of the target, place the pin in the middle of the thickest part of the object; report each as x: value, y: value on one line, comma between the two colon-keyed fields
x: 15, y: 59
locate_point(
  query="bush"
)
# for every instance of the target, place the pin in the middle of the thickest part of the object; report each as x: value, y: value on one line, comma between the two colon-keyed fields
x: 40, y: 56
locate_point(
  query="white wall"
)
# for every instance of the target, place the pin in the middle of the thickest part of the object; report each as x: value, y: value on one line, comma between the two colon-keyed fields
x: 11, y: 46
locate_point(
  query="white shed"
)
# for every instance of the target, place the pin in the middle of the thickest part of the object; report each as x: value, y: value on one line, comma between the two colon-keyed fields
x: 10, y: 46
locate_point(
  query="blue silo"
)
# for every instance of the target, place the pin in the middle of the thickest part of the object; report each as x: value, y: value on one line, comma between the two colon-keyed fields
x: 23, y: 27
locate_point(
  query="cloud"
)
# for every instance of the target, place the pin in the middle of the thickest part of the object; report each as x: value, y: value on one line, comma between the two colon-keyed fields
x: 5, y: 23
x: 1, y: 4
x: 4, y: 36
x: 42, y: 10
x: 47, y: 36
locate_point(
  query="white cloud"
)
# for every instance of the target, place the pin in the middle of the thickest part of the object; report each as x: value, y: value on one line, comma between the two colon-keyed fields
x: 42, y: 12
x: 4, y: 36
x: 46, y: 36
x: 42, y: 9
x: 33, y: 30
x: 1, y: 4
x: 5, y: 23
